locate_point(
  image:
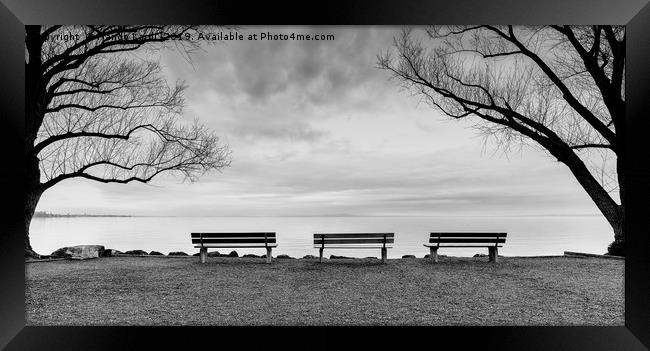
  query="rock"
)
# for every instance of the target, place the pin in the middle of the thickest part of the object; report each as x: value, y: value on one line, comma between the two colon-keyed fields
x: 136, y: 252
x: 285, y: 257
x: 33, y: 255
x: 111, y: 252
x: 79, y: 252
x: 334, y: 257
x: 155, y: 253
x: 177, y: 253
x: 214, y: 254
x: 233, y: 254
x: 408, y: 256
x: 480, y: 255
x: 61, y: 253
x: 427, y: 256
x: 197, y: 254
x: 309, y: 256
x: 251, y: 256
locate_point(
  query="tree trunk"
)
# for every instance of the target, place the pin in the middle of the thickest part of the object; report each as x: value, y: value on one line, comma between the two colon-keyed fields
x: 34, y: 113
x: 613, y: 212
x: 617, y: 247
x: 33, y: 192
x: 30, y: 207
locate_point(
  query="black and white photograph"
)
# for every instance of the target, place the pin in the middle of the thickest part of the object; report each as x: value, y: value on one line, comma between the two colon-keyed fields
x: 325, y: 176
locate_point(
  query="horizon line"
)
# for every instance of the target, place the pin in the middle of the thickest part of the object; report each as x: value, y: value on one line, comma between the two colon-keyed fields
x: 50, y: 214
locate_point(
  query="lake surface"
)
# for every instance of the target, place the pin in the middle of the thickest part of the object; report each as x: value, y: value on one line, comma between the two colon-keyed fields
x: 527, y: 236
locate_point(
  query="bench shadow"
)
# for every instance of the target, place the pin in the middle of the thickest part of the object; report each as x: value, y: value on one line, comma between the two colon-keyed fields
x: 352, y: 262
x: 232, y: 261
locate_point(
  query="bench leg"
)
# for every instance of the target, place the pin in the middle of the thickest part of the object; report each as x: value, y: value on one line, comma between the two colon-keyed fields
x: 204, y: 254
x: 383, y: 255
x: 433, y: 254
x: 493, y: 254
x: 320, y: 256
x: 268, y: 255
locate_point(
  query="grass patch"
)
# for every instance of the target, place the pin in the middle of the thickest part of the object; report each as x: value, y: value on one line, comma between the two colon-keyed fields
x: 247, y: 291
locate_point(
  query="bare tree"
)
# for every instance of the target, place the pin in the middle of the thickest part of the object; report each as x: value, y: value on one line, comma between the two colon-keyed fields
x: 98, y: 107
x: 558, y: 88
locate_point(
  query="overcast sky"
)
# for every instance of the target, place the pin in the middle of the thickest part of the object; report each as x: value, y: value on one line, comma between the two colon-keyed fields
x: 316, y: 129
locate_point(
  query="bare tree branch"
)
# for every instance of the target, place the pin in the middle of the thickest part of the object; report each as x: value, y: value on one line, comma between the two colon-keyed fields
x: 555, y: 86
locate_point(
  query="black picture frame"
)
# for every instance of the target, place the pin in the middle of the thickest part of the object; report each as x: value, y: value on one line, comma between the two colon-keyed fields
x: 14, y: 14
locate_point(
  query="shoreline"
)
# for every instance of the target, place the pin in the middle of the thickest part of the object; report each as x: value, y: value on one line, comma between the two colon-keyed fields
x: 568, y: 254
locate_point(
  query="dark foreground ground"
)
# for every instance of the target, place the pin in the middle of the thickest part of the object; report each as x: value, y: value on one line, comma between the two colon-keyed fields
x: 246, y: 291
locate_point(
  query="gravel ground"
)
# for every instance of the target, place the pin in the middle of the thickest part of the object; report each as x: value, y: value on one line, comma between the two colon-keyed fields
x: 247, y: 291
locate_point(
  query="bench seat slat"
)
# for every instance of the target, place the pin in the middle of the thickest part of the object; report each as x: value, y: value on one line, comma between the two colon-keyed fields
x: 234, y: 235
x: 467, y: 235
x: 233, y: 246
x: 466, y: 240
x: 353, y: 241
x: 353, y: 247
x: 382, y: 241
x: 354, y: 235
x: 490, y: 241
x: 231, y: 240
x: 428, y: 245
x: 205, y: 241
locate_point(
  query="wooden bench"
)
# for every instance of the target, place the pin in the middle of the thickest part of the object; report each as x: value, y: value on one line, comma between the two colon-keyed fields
x: 490, y: 240
x: 381, y: 241
x: 203, y: 241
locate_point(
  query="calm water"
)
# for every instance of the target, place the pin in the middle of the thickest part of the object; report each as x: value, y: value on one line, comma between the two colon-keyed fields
x: 527, y: 236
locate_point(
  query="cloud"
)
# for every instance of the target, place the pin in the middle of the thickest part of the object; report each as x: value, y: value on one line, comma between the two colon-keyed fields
x: 275, y: 89
x: 317, y: 129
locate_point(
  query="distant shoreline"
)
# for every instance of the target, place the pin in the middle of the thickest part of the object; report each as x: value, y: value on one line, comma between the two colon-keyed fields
x: 56, y: 215
x: 39, y: 214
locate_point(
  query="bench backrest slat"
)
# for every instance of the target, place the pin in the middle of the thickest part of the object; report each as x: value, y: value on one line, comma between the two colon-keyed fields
x: 353, y: 235
x: 260, y: 238
x: 466, y: 240
x: 353, y: 241
x: 468, y: 235
x: 357, y: 239
x: 233, y: 241
x: 484, y: 239
x: 233, y: 235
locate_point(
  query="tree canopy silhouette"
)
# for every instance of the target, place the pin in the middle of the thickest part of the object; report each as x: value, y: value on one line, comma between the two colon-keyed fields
x: 99, y: 108
x: 559, y: 88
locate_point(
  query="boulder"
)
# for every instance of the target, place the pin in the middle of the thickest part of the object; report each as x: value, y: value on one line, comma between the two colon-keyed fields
x: 111, y: 252
x: 233, y: 254
x: 177, y: 253
x: 334, y: 257
x: 61, y: 253
x: 136, y: 252
x: 408, y: 256
x: 214, y: 254
x: 309, y: 257
x: 251, y: 256
x: 480, y: 255
x: 155, y: 253
x: 79, y: 252
x: 285, y: 257
x: 427, y: 256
